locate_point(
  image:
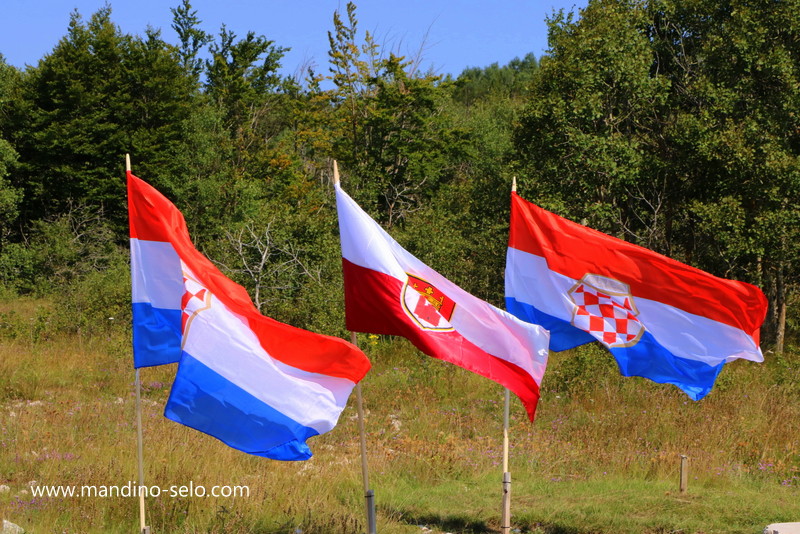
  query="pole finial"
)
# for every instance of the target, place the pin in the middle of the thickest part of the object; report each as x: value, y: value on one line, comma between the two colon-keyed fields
x: 127, y: 163
x: 335, y: 173
x: 514, y: 184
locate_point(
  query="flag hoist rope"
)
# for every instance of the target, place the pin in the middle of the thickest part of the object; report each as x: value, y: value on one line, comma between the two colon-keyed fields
x: 144, y: 529
x: 369, y: 495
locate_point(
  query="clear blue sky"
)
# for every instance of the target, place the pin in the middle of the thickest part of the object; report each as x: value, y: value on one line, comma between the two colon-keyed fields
x: 456, y: 34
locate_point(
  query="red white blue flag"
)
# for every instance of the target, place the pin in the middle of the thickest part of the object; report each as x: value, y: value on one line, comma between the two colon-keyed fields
x: 661, y: 319
x: 258, y: 385
x: 389, y: 291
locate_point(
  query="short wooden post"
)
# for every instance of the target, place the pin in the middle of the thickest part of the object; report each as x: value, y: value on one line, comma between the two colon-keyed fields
x: 684, y: 473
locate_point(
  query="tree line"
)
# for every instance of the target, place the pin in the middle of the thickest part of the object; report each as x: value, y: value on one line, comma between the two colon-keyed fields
x: 673, y: 124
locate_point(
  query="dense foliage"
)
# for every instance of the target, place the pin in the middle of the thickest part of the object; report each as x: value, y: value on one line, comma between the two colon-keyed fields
x: 674, y: 124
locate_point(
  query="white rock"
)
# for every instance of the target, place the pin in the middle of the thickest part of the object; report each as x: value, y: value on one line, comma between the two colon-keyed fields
x: 11, y: 528
x: 782, y: 528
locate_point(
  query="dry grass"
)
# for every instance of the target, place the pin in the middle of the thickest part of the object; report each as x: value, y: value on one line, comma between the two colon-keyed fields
x: 602, y: 456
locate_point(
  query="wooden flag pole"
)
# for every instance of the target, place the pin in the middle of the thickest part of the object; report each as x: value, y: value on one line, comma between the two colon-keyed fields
x: 684, y: 473
x: 143, y: 528
x: 369, y: 495
x: 505, y: 523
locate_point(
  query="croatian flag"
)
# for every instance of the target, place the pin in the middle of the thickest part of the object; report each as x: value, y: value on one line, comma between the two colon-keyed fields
x: 258, y: 385
x: 661, y: 319
x: 389, y: 291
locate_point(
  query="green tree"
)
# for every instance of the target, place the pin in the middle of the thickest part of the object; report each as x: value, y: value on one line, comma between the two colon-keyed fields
x: 476, y: 84
x: 588, y: 138
x: 473, y: 205
x: 674, y: 124
x: 241, y: 72
x: 392, y: 137
x: 192, y: 39
x: 10, y: 196
x: 98, y: 95
x: 740, y: 133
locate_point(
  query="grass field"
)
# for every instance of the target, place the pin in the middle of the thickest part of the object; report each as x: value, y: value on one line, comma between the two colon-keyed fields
x: 603, y: 455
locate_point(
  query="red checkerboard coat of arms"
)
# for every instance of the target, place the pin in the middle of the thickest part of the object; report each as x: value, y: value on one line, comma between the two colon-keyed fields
x: 426, y: 305
x: 604, y: 307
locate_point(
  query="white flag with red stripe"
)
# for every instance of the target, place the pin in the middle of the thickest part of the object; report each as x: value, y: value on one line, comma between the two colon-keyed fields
x: 389, y: 291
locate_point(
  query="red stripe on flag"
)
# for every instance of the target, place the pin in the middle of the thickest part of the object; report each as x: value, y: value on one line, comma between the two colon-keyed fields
x: 154, y: 218
x: 151, y: 215
x: 373, y: 305
x: 574, y: 250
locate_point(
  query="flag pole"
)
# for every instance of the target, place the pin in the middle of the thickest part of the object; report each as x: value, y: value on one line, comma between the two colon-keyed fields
x: 369, y: 495
x: 505, y: 523
x: 143, y: 528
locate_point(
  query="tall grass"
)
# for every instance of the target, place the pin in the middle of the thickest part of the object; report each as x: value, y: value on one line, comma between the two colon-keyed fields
x: 601, y: 457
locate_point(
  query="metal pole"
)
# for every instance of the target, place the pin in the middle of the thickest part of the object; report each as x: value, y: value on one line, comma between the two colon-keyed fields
x: 369, y: 495
x: 505, y: 524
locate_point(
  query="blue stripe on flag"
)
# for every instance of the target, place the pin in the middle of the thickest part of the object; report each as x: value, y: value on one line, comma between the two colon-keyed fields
x: 647, y: 358
x: 650, y: 360
x: 206, y: 401
x: 563, y: 335
x: 156, y: 335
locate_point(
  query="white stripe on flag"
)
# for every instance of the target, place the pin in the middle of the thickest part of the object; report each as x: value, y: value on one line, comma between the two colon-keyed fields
x: 682, y: 333
x: 221, y: 341
x: 156, y: 274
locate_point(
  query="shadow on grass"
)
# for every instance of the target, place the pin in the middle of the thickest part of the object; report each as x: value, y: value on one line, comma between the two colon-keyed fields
x: 541, y: 528
x: 460, y: 524
x: 449, y: 523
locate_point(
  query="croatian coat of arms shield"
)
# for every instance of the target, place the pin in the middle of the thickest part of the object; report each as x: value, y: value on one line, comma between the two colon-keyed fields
x: 605, y: 308
x: 426, y: 305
